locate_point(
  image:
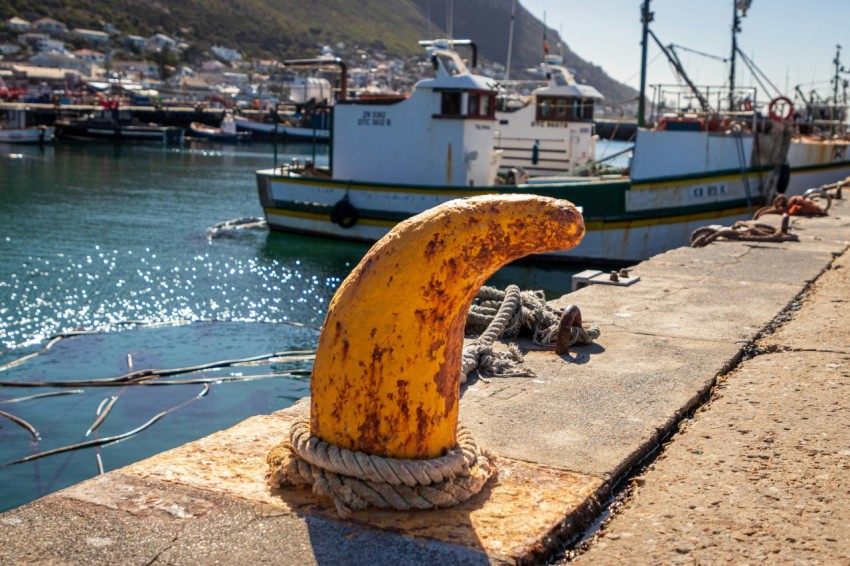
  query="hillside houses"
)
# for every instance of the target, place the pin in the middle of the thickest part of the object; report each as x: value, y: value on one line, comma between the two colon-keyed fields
x: 103, y: 56
x: 50, y: 26
x: 48, y: 34
x: 18, y: 24
x: 92, y: 36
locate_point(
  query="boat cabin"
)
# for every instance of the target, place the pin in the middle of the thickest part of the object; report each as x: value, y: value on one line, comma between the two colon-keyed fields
x: 13, y: 118
x: 552, y: 131
x: 442, y: 134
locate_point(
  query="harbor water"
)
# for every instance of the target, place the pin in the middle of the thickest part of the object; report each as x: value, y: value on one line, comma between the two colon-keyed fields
x: 112, y: 241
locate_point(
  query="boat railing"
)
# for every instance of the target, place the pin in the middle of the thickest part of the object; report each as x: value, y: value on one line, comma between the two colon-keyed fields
x: 742, y: 102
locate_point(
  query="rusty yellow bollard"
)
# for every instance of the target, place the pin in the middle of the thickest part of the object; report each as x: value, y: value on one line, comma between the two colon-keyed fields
x: 386, y: 379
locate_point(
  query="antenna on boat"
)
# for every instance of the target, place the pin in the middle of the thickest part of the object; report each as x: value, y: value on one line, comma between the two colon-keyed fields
x: 450, y: 43
x: 510, y: 42
x: 545, y: 45
x: 742, y: 5
x: 838, y: 70
x: 645, y: 17
x: 450, y: 7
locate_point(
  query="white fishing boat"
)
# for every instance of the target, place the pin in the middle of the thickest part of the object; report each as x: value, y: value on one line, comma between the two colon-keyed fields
x: 14, y: 129
x: 550, y: 131
x: 819, y: 153
x: 289, y: 128
x: 226, y: 133
x: 393, y: 159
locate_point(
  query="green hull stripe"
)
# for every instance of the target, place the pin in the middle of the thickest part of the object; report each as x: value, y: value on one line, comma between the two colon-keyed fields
x: 600, y: 200
x: 590, y: 225
x: 822, y: 167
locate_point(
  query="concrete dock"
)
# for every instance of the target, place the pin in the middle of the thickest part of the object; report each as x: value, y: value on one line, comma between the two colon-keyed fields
x: 707, y: 424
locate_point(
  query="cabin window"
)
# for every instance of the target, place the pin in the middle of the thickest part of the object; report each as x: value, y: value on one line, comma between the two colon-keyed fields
x: 450, y: 103
x: 481, y: 105
x: 561, y: 109
x: 564, y: 109
x: 487, y: 105
x: 478, y: 104
x: 585, y: 110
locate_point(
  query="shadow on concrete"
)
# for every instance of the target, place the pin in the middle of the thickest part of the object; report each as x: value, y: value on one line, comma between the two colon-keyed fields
x: 377, y: 536
x: 582, y: 354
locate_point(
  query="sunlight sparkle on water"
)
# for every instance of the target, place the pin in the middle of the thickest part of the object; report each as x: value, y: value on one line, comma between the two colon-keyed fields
x: 101, y: 289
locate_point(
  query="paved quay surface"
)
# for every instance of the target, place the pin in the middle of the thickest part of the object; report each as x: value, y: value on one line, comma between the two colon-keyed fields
x: 760, y: 472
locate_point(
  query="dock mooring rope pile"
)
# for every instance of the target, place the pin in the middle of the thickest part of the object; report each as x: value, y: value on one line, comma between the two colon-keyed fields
x: 743, y: 230
x: 752, y: 231
x: 504, y: 314
x: 355, y: 480
x: 797, y: 205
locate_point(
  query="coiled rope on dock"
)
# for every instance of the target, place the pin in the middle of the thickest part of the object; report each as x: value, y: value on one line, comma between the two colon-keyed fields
x: 743, y: 230
x: 504, y: 314
x: 355, y: 480
x: 798, y: 205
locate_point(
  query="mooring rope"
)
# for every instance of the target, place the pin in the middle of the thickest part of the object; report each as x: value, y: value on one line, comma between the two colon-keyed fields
x: 742, y: 230
x: 504, y: 314
x: 836, y: 188
x: 797, y: 205
x: 355, y: 480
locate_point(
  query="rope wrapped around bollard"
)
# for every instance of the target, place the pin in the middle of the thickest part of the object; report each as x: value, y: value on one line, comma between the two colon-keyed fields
x: 355, y: 480
x: 743, y: 230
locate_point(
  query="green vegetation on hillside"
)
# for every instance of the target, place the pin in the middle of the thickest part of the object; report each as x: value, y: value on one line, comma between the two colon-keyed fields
x: 265, y: 28
x: 289, y: 28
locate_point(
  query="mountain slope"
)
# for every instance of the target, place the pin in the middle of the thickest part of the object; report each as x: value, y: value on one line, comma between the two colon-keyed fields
x: 487, y: 22
x: 290, y: 28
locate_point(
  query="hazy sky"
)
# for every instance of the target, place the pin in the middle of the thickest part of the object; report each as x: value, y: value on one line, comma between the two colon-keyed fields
x: 792, y: 41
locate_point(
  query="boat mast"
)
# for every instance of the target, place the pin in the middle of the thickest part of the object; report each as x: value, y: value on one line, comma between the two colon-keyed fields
x: 736, y: 27
x: 645, y: 17
x: 742, y: 5
x: 510, y: 43
x: 837, y: 78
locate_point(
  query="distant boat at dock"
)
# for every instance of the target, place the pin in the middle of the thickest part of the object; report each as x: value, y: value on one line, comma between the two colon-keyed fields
x: 226, y: 133
x: 619, y: 130
x: 116, y: 125
x: 14, y: 129
x: 288, y: 129
x: 551, y: 130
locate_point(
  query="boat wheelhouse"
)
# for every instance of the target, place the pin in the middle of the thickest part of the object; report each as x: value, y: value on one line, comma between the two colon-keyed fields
x: 551, y: 130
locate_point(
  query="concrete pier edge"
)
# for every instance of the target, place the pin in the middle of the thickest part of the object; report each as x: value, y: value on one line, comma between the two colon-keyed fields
x: 563, y: 439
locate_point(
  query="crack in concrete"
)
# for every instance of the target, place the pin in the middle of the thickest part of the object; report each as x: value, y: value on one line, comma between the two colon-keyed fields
x: 161, y: 552
x: 622, y: 489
